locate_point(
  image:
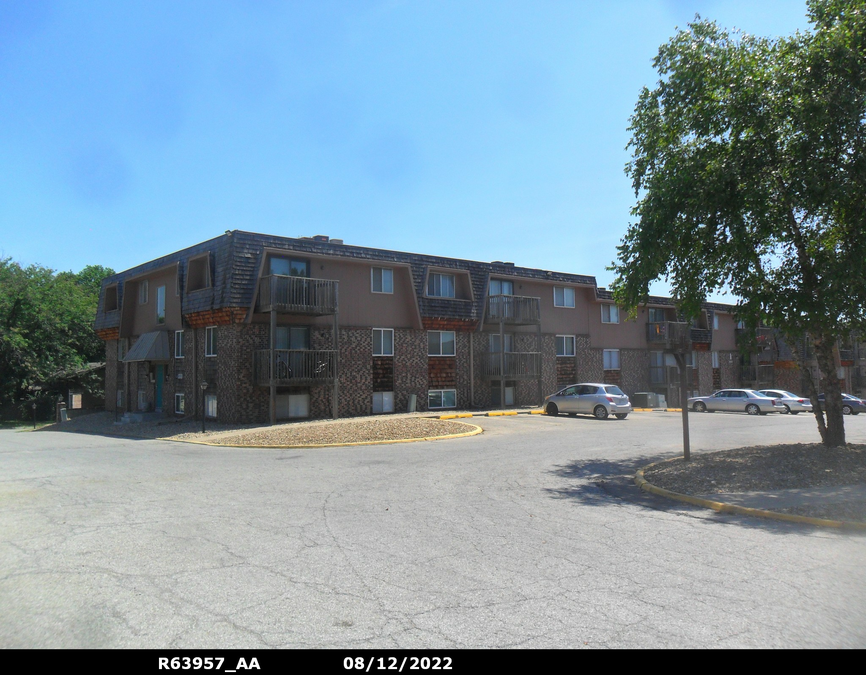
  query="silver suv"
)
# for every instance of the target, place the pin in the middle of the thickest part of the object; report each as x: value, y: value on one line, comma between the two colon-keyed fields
x: 598, y: 400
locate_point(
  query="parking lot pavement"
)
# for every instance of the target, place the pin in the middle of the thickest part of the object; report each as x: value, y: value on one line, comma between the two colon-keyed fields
x: 529, y: 535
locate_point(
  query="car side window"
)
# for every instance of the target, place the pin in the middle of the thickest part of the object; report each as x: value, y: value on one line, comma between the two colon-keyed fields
x: 569, y: 391
x: 720, y: 394
x: 587, y: 391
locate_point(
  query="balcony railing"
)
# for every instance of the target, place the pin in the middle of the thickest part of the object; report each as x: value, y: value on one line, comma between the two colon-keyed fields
x: 297, y: 295
x: 702, y: 335
x: 670, y: 334
x: 513, y: 310
x: 517, y: 365
x: 846, y: 355
x: 296, y: 366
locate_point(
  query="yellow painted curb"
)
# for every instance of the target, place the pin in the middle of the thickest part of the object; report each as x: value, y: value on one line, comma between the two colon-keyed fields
x: 463, y: 415
x: 722, y: 507
x: 536, y: 412
x: 475, y: 431
x: 500, y: 414
x: 447, y: 417
x: 673, y: 409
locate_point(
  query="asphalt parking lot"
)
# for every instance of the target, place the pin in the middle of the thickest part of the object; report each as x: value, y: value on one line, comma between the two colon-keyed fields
x: 529, y: 535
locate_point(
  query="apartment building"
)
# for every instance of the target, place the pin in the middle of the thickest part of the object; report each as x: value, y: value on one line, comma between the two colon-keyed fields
x: 254, y: 328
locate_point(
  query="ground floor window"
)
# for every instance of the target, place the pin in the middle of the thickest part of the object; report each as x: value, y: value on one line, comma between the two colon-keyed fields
x: 142, y: 400
x: 119, y: 399
x: 496, y: 393
x: 210, y: 405
x: 383, y: 402
x: 178, y: 404
x: 611, y: 359
x: 293, y: 406
x: 442, y: 398
x: 565, y: 345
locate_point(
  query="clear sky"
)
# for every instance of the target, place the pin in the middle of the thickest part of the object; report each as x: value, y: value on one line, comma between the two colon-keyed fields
x: 483, y: 130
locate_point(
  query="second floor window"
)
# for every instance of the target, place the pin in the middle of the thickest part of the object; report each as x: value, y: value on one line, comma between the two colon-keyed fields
x: 383, y: 342
x: 383, y: 280
x: 609, y: 314
x: 656, y: 315
x: 178, y: 344
x: 142, y: 292
x: 715, y: 322
x: 501, y: 287
x: 440, y: 285
x: 160, y: 304
x: 210, y: 341
x: 563, y: 296
x: 440, y: 343
x: 565, y: 345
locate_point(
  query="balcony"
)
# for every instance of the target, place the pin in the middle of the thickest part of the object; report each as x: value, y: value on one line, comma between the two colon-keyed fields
x: 296, y: 367
x: 297, y: 295
x: 847, y: 357
x: 702, y: 335
x: 517, y: 365
x: 671, y: 335
x: 513, y: 310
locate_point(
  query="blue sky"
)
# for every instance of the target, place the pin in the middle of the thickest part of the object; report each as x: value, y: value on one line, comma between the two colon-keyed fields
x: 482, y: 130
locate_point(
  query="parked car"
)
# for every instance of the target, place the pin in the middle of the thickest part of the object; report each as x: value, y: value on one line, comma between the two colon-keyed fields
x: 793, y: 404
x: 736, y: 400
x: 851, y: 405
x: 599, y: 400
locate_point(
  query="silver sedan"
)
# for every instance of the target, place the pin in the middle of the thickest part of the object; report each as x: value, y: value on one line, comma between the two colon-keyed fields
x: 736, y: 400
x: 793, y: 404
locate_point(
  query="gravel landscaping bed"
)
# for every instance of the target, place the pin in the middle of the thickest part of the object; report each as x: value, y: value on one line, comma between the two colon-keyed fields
x: 318, y: 432
x: 770, y: 467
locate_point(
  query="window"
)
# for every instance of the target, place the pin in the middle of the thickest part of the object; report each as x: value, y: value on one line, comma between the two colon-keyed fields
x: 440, y: 285
x: 178, y: 404
x: 142, y: 292
x: 121, y: 349
x: 142, y: 399
x: 383, y: 402
x: 657, y: 367
x: 656, y: 315
x: 715, y: 359
x: 198, y: 274
x: 290, y: 267
x: 741, y: 325
x: 440, y: 343
x: 563, y: 297
x: 210, y: 344
x: 383, y: 280
x: 292, y: 337
x: 443, y: 398
x: 210, y: 409
x: 609, y: 314
x: 119, y: 398
x: 178, y: 344
x: 110, y: 299
x: 383, y: 342
x: 715, y: 322
x: 160, y: 304
x: 691, y: 360
x: 495, y: 343
x: 611, y: 359
x: 501, y: 287
x: 565, y: 345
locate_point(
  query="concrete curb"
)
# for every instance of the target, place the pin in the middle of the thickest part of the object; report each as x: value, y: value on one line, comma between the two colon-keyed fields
x: 475, y: 431
x: 723, y: 507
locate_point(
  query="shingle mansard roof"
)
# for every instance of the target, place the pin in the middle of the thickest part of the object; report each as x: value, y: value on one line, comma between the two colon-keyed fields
x: 236, y: 258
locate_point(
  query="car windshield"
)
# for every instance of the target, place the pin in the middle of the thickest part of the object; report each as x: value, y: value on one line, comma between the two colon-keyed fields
x: 616, y: 391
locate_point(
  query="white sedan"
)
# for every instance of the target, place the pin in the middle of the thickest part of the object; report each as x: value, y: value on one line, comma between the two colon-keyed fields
x: 736, y: 400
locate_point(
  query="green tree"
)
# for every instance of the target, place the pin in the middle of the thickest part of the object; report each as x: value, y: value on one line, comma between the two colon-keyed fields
x: 46, y: 324
x: 749, y: 165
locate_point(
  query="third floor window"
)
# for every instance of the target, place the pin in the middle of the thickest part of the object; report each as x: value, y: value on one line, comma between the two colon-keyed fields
x: 440, y: 285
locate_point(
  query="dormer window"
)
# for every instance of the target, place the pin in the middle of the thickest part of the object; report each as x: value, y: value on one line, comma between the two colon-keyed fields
x: 198, y: 274
x: 440, y: 285
x: 111, y: 299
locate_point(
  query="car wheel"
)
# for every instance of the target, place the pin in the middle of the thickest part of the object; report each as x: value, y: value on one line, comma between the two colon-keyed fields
x: 551, y: 409
x: 700, y: 406
x: 787, y: 410
x: 752, y: 409
x: 847, y: 410
x: 621, y: 416
x: 600, y: 412
x: 793, y: 412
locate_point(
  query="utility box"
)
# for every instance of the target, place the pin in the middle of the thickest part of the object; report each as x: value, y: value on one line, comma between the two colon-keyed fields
x: 645, y: 399
x: 413, y: 403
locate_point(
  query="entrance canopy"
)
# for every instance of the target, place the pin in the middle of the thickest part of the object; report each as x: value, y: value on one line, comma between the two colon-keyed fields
x: 150, y: 347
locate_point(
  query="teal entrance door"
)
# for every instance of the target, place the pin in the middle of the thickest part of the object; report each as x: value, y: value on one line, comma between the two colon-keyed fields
x: 160, y: 376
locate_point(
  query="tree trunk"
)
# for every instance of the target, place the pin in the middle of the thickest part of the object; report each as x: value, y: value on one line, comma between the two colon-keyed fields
x: 835, y: 434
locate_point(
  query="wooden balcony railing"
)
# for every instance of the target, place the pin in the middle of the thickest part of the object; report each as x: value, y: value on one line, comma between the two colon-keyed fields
x: 669, y: 334
x: 295, y: 366
x: 702, y: 335
x: 517, y: 365
x: 297, y: 295
x: 513, y: 310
